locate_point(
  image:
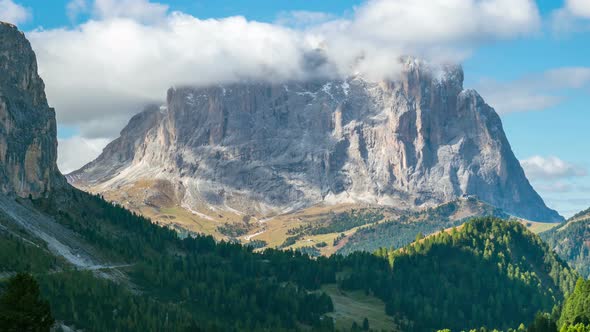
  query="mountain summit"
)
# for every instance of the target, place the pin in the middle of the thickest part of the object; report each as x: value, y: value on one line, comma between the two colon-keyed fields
x: 258, y: 148
x: 28, y: 139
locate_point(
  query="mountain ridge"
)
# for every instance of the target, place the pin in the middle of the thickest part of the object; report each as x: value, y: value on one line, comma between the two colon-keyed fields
x: 261, y: 149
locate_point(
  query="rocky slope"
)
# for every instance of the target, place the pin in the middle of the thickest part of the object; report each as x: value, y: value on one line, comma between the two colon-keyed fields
x: 28, y: 140
x: 28, y: 154
x: 261, y: 149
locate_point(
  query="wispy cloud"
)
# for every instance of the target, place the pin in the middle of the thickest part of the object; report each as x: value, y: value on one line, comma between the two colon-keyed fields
x: 302, y: 19
x: 573, y: 17
x: 14, y: 13
x: 75, y: 151
x: 534, y: 92
x: 140, y: 10
x: 75, y: 8
x: 580, y: 8
x: 562, y: 184
x: 551, y: 168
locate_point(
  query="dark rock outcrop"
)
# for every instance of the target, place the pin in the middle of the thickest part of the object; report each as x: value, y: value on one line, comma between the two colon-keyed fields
x: 28, y: 139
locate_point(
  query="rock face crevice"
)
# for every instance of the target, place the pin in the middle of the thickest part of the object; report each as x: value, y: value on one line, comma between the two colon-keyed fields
x: 416, y: 141
x: 28, y: 139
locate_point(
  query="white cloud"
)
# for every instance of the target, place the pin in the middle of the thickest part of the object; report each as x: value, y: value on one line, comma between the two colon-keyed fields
x: 109, y: 69
x: 438, y: 30
x: 75, y: 151
x: 14, y: 13
x: 555, y: 187
x: 568, y: 77
x: 75, y: 8
x: 560, y: 183
x: 534, y: 92
x: 579, y: 8
x: 303, y: 18
x: 131, y: 51
x: 572, y: 17
x: 436, y: 21
x: 550, y: 168
x: 141, y: 10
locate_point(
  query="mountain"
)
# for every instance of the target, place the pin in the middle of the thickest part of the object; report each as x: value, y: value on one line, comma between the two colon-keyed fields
x: 264, y: 149
x: 94, y: 259
x: 28, y: 144
x: 572, y: 241
x: 104, y: 268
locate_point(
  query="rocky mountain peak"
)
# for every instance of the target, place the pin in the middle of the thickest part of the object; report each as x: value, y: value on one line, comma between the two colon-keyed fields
x: 28, y: 139
x: 259, y: 148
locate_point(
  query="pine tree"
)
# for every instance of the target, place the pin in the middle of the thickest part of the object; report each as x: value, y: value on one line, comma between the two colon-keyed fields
x: 21, y: 306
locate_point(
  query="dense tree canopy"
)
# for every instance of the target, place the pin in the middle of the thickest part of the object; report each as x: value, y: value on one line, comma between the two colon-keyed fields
x: 21, y: 307
x: 576, y: 309
x: 488, y: 273
x: 572, y: 242
x: 197, y: 281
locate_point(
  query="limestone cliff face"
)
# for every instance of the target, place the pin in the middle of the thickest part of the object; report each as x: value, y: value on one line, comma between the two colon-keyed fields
x: 416, y: 141
x: 28, y: 140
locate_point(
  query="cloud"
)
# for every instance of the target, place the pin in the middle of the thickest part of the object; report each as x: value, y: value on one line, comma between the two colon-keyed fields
x: 140, y: 10
x: 131, y: 51
x: 436, y: 21
x: 560, y: 183
x: 580, y: 8
x: 572, y: 17
x: 75, y: 8
x: 14, y: 13
x: 569, y: 204
x: 534, y: 92
x: 550, y: 168
x: 75, y: 151
x: 110, y: 69
x: 438, y: 30
x: 555, y: 187
x: 303, y: 18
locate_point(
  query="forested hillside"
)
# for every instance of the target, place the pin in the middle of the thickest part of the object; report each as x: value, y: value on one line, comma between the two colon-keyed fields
x: 184, y: 283
x: 489, y: 273
x: 572, y: 316
x: 572, y: 242
x: 402, y: 231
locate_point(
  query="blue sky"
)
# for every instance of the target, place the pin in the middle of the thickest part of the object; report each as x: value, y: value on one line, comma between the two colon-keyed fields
x: 545, y: 113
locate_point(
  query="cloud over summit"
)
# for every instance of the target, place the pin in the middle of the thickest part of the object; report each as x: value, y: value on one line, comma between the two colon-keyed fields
x: 130, y: 51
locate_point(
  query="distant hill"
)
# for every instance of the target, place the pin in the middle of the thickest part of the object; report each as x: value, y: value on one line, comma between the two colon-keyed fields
x: 490, y: 272
x: 343, y: 230
x: 572, y: 241
x: 402, y: 231
x: 585, y: 214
